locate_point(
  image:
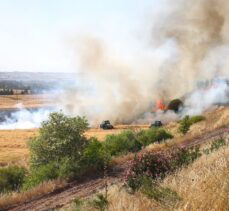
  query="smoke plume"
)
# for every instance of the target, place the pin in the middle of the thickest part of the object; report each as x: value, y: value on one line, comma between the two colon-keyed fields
x: 187, y: 43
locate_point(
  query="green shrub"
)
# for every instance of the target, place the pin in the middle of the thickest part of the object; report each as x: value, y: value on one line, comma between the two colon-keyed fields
x: 195, y: 119
x: 184, y: 125
x: 94, y: 156
x: 40, y: 174
x: 152, y: 135
x: 122, y: 143
x: 11, y: 178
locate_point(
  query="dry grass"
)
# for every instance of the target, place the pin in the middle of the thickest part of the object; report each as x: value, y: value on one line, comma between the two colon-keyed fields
x: 28, y: 101
x: 13, y: 142
x: 13, y: 146
x: 204, y: 185
x: 44, y: 188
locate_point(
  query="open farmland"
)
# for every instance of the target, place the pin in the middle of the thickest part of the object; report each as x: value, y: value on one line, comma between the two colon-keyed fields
x: 13, y: 147
x: 28, y: 101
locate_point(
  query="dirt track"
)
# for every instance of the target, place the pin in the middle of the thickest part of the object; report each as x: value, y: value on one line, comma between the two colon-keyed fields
x: 66, y: 195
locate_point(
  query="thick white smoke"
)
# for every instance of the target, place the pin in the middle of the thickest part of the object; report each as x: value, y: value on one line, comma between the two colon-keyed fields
x: 187, y: 42
x: 25, y: 119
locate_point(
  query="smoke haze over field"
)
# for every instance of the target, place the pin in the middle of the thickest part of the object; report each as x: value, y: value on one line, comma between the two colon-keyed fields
x: 187, y: 42
x: 179, y: 44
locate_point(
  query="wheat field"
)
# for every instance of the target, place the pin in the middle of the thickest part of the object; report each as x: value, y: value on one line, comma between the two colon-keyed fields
x: 28, y: 101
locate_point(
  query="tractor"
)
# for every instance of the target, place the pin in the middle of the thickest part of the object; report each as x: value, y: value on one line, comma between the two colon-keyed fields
x: 106, y: 125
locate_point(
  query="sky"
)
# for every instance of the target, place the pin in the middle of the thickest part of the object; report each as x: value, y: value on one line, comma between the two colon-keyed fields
x: 35, y: 35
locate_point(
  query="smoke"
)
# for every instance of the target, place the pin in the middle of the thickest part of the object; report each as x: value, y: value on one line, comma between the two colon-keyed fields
x: 24, y: 118
x: 187, y: 43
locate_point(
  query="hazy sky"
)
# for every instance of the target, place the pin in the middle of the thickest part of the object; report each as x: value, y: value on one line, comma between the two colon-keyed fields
x: 35, y: 34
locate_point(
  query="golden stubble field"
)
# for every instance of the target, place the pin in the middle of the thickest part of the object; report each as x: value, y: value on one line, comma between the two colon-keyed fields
x: 28, y: 101
x: 13, y: 143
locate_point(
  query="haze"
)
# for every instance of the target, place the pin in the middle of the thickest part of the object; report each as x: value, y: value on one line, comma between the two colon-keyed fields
x: 35, y: 34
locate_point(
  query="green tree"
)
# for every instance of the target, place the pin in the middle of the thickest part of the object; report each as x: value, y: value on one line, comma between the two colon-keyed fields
x: 175, y: 105
x: 60, y: 137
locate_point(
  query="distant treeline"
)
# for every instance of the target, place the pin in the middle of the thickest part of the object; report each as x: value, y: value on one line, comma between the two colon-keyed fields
x: 13, y: 92
x: 8, y: 87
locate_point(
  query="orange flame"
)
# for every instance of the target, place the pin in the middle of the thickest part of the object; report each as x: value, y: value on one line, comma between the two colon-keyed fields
x: 160, y: 105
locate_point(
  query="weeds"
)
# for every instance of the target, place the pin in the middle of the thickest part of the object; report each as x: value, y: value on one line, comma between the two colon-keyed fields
x: 215, y: 145
x: 161, y: 194
x: 100, y: 202
x: 78, y: 204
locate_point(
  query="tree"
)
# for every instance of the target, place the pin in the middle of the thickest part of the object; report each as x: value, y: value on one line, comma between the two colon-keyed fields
x: 60, y: 138
x: 175, y: 105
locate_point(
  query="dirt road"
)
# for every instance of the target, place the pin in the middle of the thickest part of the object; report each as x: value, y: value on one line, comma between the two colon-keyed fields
x: 66, y: 195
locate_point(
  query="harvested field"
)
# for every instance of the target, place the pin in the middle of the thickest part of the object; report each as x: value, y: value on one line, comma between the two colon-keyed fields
x: 13, y: 142
x: 28, y: 101
x: 13, y: 146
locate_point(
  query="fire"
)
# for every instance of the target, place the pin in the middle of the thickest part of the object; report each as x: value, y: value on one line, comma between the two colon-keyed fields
x: 160, y: 105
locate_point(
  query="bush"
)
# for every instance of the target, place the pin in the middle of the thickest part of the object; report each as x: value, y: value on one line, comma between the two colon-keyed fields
x: 184, y: 125
x: 122, y: 143
x: 94, y: 156
x: 152, y: 135
x: 157, y: 165
x: 40, y: 174
x: 11, y: 178
x: 153, y: 165
x: 57, y: 150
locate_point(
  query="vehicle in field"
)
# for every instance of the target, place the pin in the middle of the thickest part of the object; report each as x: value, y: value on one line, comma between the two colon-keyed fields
x: 156, y: 124
x: 106, y: 125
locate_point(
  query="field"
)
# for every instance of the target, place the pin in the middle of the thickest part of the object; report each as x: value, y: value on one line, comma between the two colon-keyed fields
x: 28, y: 101
x: 13, y: 147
